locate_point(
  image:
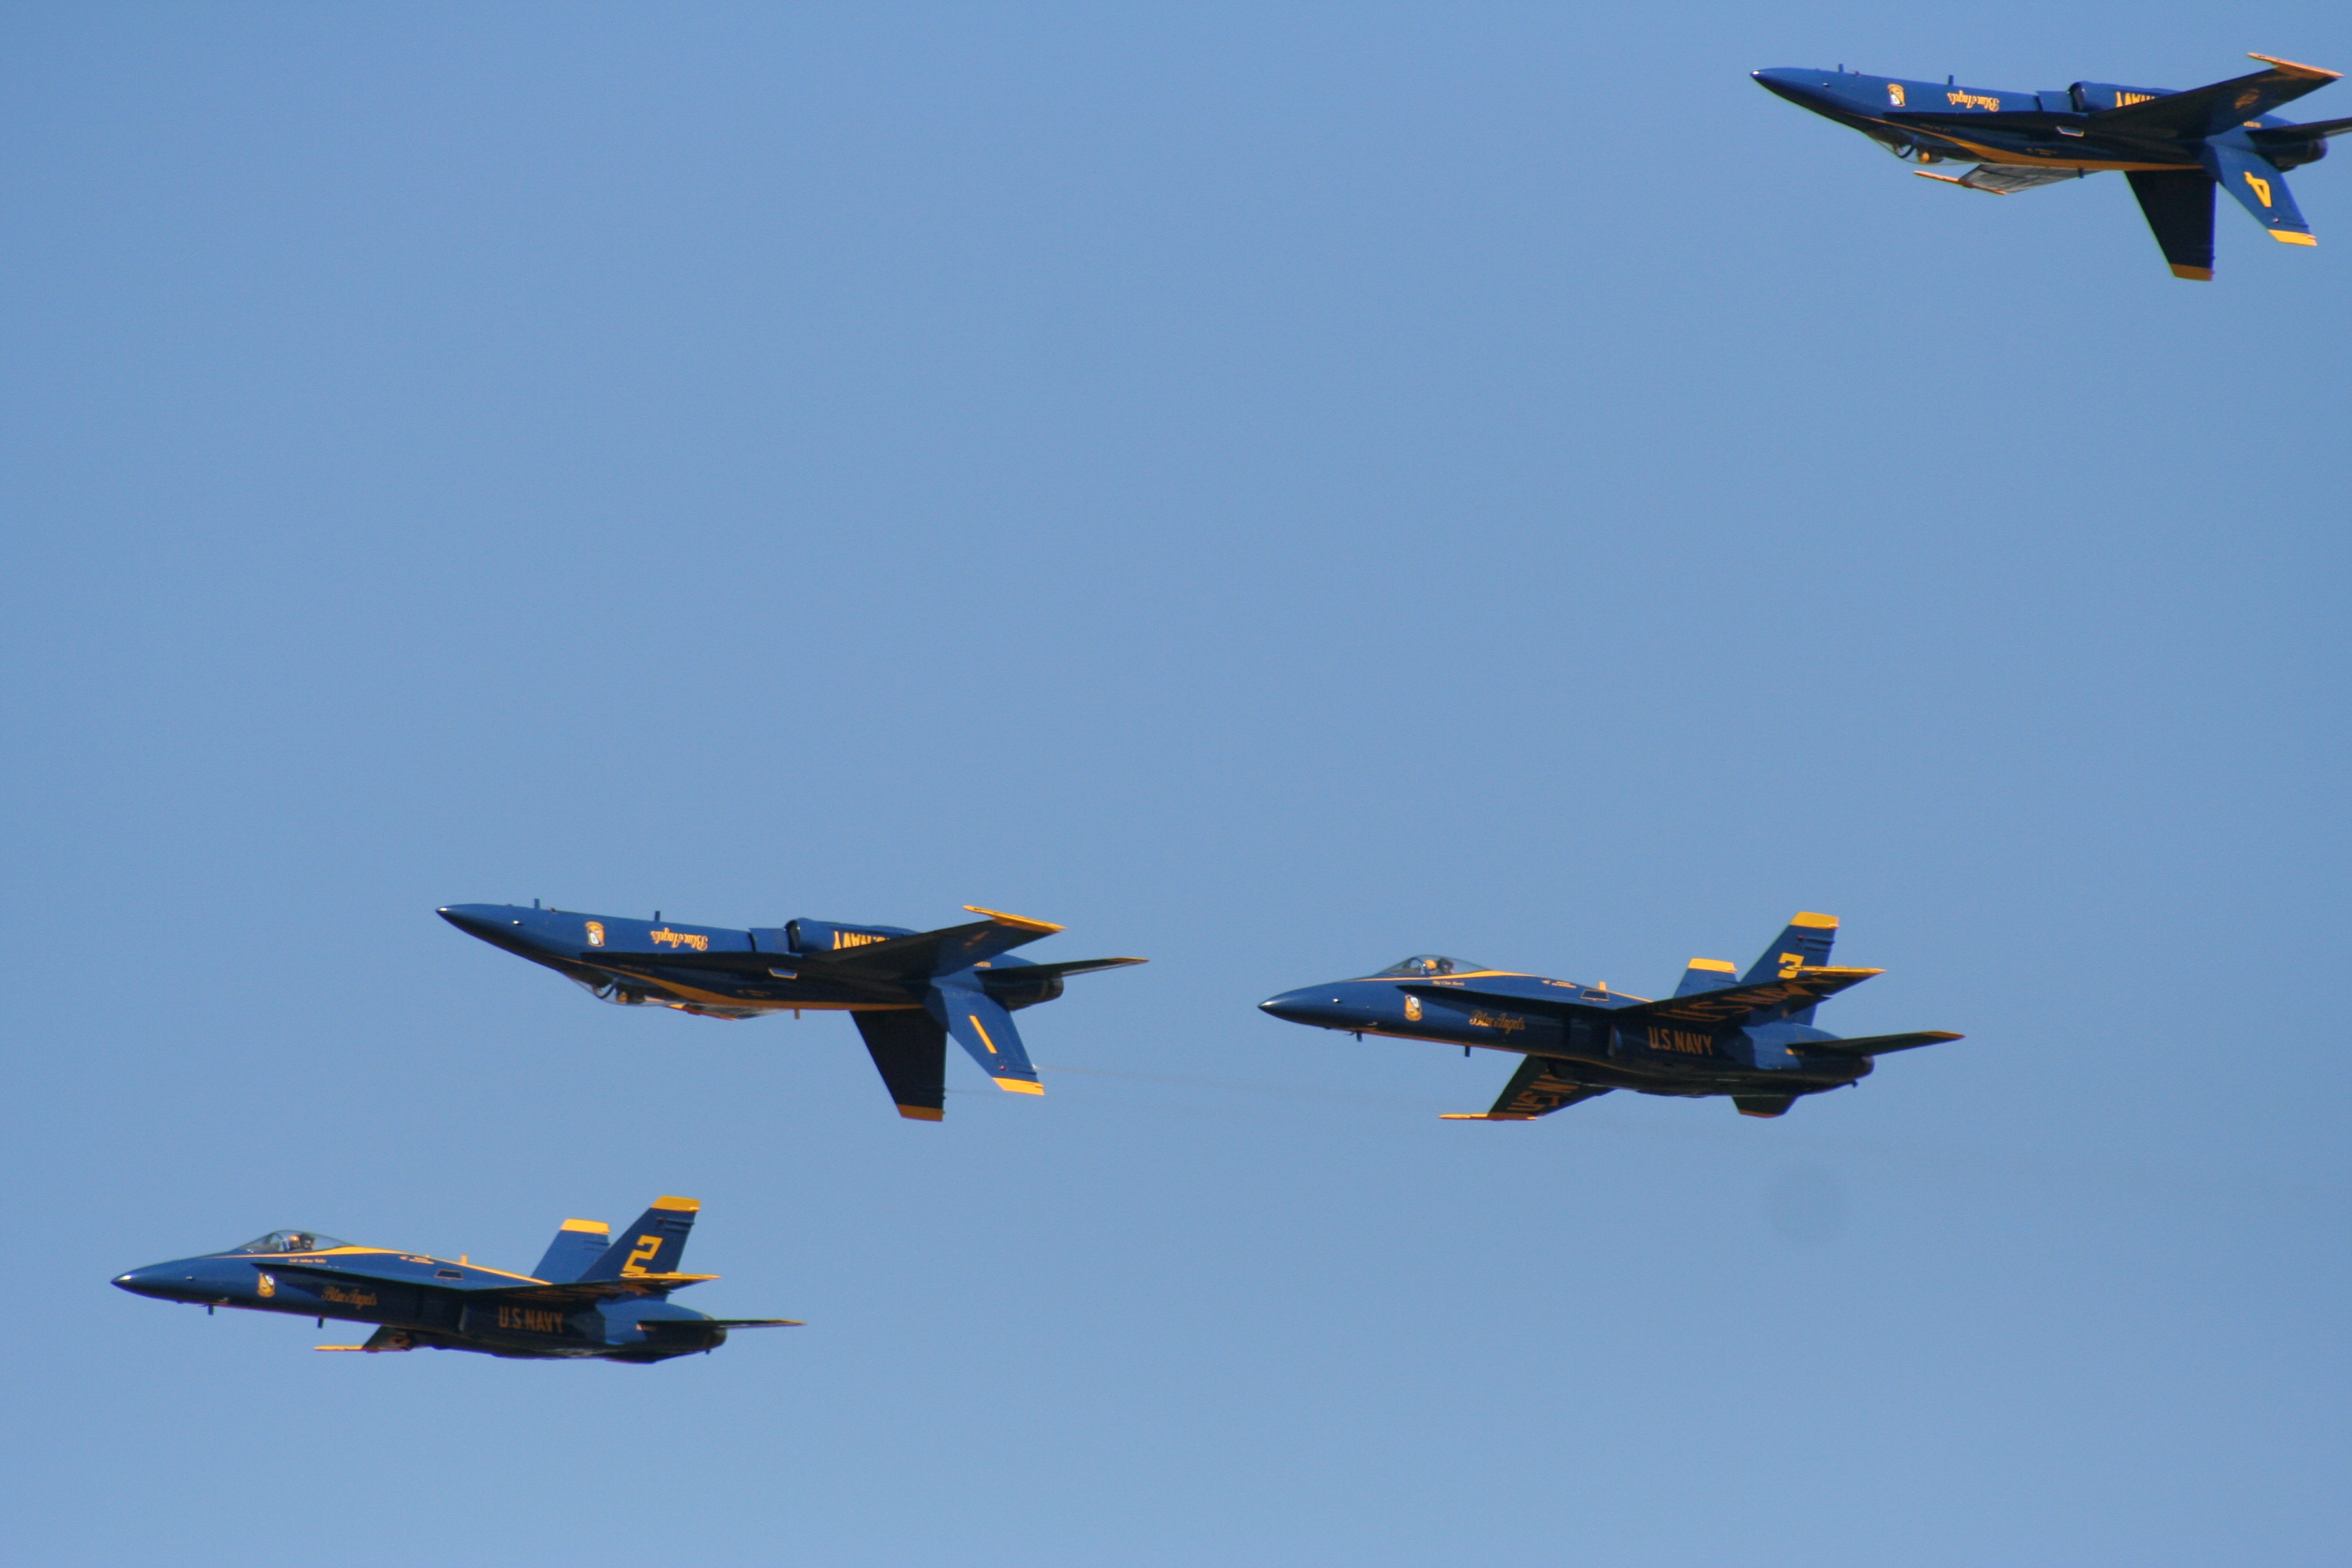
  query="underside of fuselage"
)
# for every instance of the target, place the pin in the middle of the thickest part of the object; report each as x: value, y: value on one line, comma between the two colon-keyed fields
x: 1685, y: 1076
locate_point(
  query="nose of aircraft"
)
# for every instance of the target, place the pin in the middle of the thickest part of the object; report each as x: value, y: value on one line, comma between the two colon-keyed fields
x: 1802, y: 86
x: 149, y: 1281
x: 471, y: 919
x: 1315, y: 1004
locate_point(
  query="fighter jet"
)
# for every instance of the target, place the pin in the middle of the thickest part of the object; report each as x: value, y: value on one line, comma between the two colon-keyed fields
x: 908, y: 990
x: 2174, y: 147
x: 592, y: 1297
x: 1750, y: 1036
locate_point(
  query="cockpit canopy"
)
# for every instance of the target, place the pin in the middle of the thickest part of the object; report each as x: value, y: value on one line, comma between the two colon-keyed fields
x: 1422, y: 964
x: 291, y: 1241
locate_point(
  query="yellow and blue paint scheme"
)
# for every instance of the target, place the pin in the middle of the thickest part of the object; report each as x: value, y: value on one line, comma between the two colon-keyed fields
x: 595, y: 1296
x: 908, y: 991
x: 2174, y: 147
x: 1747, y: 1037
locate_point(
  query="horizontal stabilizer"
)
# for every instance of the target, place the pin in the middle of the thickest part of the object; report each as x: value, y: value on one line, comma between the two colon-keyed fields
x: 755, y: 1322
x: 2288, y: 135
x: 1537, y: 1088
x: 1878, y: 1044
x: 2004, y: 179
x: 1075, y: 967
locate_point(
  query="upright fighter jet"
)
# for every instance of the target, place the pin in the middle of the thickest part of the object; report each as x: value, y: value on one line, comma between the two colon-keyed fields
x: 1750, y: 1036
x: 591, y: 1297
x: 2174, y: 147
x: 908, y: 990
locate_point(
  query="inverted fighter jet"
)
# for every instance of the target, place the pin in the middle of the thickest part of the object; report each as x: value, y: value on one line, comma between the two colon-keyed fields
x: 1750, y: 1036
x: 592, y: 1297
x: 2174, y: 147
x: 908, y: 990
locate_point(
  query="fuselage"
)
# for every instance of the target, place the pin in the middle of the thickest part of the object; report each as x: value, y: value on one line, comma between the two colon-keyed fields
x: 1637, y: 1054
x: 581, y: 945
x: 425, y: 1299
x: 2064, y: 133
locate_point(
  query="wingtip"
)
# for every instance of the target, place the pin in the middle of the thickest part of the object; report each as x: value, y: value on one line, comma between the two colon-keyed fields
x: 2290, y: 236
x: 2194, y: 274
x: 922, y: 1113
x: 1021, y: 1085
x: 2320, y: 73
x: 1480, y: 1116
x: 1019, y: 921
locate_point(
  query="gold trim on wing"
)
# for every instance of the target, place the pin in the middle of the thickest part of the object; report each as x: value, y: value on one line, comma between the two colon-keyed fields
x: 2319, y: 73
x: 1001, y: 918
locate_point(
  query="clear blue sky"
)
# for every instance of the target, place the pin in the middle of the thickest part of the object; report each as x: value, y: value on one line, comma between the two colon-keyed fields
x: 1274, y: 489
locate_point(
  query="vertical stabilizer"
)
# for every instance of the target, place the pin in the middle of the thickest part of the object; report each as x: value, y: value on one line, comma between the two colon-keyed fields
x: 577, y: 1245
x: 1708, y: 974
x: 2179, y: 206
x: 1803, y: 944
x: 652, y: 1246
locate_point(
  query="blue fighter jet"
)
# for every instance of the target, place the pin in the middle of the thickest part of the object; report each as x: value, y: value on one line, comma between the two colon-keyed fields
x: 908, y: 990
x: 591, y: 1297
x: 2174, y: 147
x: 1750, y: 1036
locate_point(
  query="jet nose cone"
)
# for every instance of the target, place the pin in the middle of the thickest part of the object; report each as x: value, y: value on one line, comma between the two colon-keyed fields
x: 140, y: 1282
x: 465, y: 918
x: 1296, y: 1007
x: 1804, y: 87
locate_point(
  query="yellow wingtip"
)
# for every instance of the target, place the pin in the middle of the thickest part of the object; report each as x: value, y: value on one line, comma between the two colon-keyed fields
x: 1020, y: 921
x: 922, y: 1113
x: 2289, y: 237
x: 2292, y: 69
x: 2194, y: 274
x: 1021, y: 1085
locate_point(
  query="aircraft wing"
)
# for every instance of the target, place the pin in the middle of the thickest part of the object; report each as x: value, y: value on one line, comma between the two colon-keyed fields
x: 1536, y: 1089
x: 1800, y: 988
x: 577, y: 1292
x: 2203, y: 111
x: 913, y: 960
x: 2003, y: 179
x: 1723, y: 1005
